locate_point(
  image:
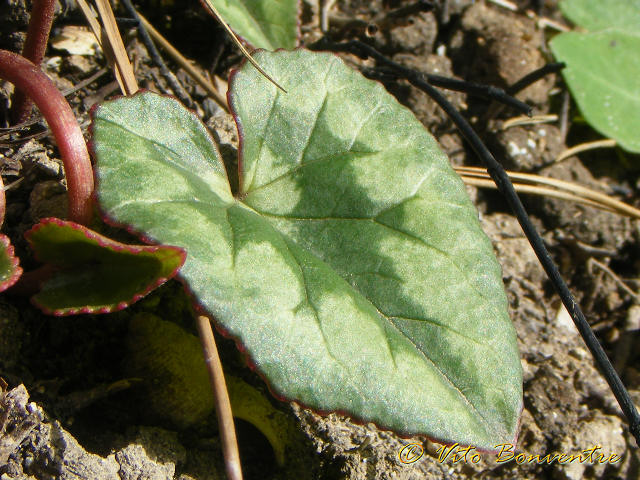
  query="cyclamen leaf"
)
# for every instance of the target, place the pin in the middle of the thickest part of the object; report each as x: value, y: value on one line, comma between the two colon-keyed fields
x: 352, y: 267
x: 263, y: 23
x: 603, y: 72
x: 598, y: 14
x: 10, y: 271
x: 94, y: 274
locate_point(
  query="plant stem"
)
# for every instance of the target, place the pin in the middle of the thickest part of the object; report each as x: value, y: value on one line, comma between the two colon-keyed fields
x: 34, y: 48
x: 3, y: 203
x: 221, y: 398
x: 63, y: 124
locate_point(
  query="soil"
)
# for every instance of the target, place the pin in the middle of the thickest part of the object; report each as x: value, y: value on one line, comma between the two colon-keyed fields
x: 72, y: 409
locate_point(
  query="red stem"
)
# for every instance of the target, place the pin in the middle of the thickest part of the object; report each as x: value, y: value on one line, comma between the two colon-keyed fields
x: 2, y: 202
x: 64, y: 126
x: 34, y: 48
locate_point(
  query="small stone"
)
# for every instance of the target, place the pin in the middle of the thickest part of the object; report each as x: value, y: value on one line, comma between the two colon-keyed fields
x: 75, y: 40
x: 604, y: 435
x: 133, y: 460
x: 79, y: 64
x: 632, y: 322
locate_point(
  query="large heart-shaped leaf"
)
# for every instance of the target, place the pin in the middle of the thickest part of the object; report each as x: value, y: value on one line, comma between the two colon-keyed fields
x: 263, y: 23
x: 603, y: 72
x: 352, y: 266
x: 93, y: 273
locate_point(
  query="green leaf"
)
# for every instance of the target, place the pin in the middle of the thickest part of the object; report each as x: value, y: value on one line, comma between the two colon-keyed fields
x: 265, y: 24
x: 94, y: 274
x: 10, y: 270
x: 603, y: 72
x: 600, y: 14
x: 352, y: 267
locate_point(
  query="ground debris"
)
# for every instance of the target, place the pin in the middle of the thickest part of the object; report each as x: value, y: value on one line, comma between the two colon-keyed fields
x: 32, y: 447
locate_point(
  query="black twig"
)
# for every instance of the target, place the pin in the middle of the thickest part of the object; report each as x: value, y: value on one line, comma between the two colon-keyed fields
x: 479, y: 90
x: 534, y: 76
x: 127, y: 22
x: 171, y: 79
x: 505, y: 187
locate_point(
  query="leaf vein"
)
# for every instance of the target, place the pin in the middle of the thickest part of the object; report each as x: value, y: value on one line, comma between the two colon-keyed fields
x: 328, y: 158
x: 191, y: 174
x: 443, y: 374
x: 261, y: 142
x: 444, y: 253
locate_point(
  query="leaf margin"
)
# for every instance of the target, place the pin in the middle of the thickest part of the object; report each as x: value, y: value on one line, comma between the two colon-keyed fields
x: 107, y: 243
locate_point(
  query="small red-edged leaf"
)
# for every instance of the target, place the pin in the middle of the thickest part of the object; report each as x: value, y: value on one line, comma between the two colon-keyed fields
x: 10, y: 270
x: 95, y: 274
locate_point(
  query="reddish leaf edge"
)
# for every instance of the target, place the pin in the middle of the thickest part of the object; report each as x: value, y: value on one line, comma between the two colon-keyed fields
x: 200, y: 309
x: 16, y: 269
x: 111, y: 244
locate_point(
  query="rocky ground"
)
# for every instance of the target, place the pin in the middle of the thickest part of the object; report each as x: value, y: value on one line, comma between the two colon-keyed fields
x: 73, y: 409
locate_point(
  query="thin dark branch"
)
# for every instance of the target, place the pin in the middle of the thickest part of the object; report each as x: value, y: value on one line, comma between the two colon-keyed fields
x: 171, y: 79
x: 534, y: 76
x: 127, y: 22
x: 479, y: 90
x: 505, y: 187
x: 83, y: 83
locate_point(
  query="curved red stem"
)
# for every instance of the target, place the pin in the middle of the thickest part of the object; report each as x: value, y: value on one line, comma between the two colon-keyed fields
x: 3, y: 203
x: 64, y: 126
x: 34, y: 48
